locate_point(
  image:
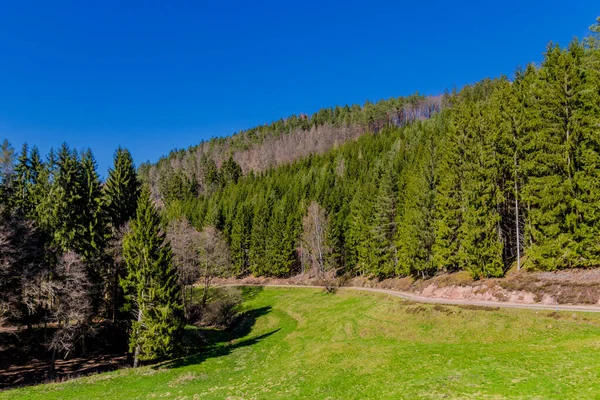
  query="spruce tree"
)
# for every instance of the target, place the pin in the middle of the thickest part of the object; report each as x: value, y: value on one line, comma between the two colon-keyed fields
x: 384, y: 222
x: 416, y: 219
x: 361, y: 246
x: 121, y: 192
x: 259, y: 237
x: 560, y: 160
x: 61, y: 209
x: 240, y: 239
x: 481, y: 247
x: 121, y: 189
x: 7, y: 171
x: 151, y: 284
x: 93, y: 221
x: 22, y: 183
x: 449, y: 198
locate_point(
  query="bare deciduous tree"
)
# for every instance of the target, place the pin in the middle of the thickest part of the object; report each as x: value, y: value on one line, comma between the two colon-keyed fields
x: 21, y: 262
x: 72, y: 309
x: 186, y: 242
x: 215, y: 260
x: 314, y: 242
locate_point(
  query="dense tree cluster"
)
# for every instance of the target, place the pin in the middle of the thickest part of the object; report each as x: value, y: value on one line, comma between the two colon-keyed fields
x: 506, y: 173
x: 70, y: 260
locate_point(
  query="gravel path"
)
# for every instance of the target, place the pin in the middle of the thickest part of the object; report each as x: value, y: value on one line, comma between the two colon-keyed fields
x: 422, y: 299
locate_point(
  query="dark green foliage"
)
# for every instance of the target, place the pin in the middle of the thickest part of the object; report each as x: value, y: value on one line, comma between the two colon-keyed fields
x: 7, y: 171
x: 121, y: 189
x: 230, y: 171
x: 151, y: 283
x: 94, y: 222
x: 384, y: 221
x: 560, y: 161
x: 240, y: 240
x: 416, y: 216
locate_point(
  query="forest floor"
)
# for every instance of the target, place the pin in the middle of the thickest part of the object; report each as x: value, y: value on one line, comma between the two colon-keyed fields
x: 25, y: 360
x: 302, y: 343
x: 573, y: 287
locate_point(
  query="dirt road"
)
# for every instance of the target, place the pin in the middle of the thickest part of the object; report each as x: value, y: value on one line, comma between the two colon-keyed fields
x: 423, y: 299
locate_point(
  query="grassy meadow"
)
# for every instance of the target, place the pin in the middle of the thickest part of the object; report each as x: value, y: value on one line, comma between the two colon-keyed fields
x: 305, y: 344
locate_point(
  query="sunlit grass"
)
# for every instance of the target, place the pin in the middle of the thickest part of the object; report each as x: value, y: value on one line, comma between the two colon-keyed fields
x: 306, y: 344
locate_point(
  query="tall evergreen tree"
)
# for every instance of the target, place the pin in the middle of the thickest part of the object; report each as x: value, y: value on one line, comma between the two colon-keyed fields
x: 259, y: 237
x: 416, y: 218
x: 557, y: 148
x: 7, y: 170
x: 121, y: 189
x: 481, y: 248
x: 384, y: 222
x: 62, y: 206
x: 95, y: 229
x: 240, y: 239
x: 21, y: 196
x: 121, y: 192
x: 151, y: 283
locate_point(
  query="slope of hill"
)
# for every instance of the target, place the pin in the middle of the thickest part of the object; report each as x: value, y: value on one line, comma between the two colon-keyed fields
x: 308, y: 344
x: 285, y: 140
x: 504, y: 175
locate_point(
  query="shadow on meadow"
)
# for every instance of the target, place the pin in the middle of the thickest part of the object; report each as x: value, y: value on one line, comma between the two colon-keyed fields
x: 210, y: 343
x: 250, y: 292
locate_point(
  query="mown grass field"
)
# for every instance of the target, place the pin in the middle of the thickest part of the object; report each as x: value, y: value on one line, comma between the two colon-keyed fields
x: 305, y: 344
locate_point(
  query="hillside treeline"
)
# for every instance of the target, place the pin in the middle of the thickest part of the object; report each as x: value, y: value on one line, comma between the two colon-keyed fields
x: 280, y: 142
x: 507, y: 173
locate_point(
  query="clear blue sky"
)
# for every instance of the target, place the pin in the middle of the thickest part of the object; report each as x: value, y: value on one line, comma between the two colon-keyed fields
x: 157, y: 75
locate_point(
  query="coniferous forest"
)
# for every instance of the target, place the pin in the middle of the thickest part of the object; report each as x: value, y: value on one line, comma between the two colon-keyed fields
x: 501, y: 174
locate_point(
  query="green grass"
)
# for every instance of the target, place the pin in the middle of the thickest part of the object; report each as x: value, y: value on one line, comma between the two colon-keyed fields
x: 305, y: 344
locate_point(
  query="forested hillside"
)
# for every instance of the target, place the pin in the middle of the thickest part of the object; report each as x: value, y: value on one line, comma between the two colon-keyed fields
x: 506, y: 173
x: 503, y: 173
x: 195, y: 171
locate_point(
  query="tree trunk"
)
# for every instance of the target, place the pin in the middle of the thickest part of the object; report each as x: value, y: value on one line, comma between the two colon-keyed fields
x: 52, y: 364
x: 136, y: 354
x: 136, y: 357
x: 517, y: 217
x: 115, y: 291
x: 205, y: 294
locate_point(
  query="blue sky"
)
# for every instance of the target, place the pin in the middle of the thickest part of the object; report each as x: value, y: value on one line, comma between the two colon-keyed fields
x: 157, y: 75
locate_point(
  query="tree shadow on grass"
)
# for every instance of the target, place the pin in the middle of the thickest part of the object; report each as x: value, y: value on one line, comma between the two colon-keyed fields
x: 210, y: 343
x: 250, y: 292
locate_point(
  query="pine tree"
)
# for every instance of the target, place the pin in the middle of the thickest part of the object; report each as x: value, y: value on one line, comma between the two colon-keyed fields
x: 416, y: 217
x: 7, y: 170
x: 449, y: 198
x: 360, y: 243
x: 61, y: 209
x: 240, y: 239
x: 121, y: 189
x: 559, y: 144
x: 151, y: 283
x: 586, y: 127
x: 282, y: 237
x: 22, y: 183
x: 481, y: 246
x: 259, y: 238
x: 121, y: 193
x: 230, y: 171
x: 384, y: 222
x: 93, y: 221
